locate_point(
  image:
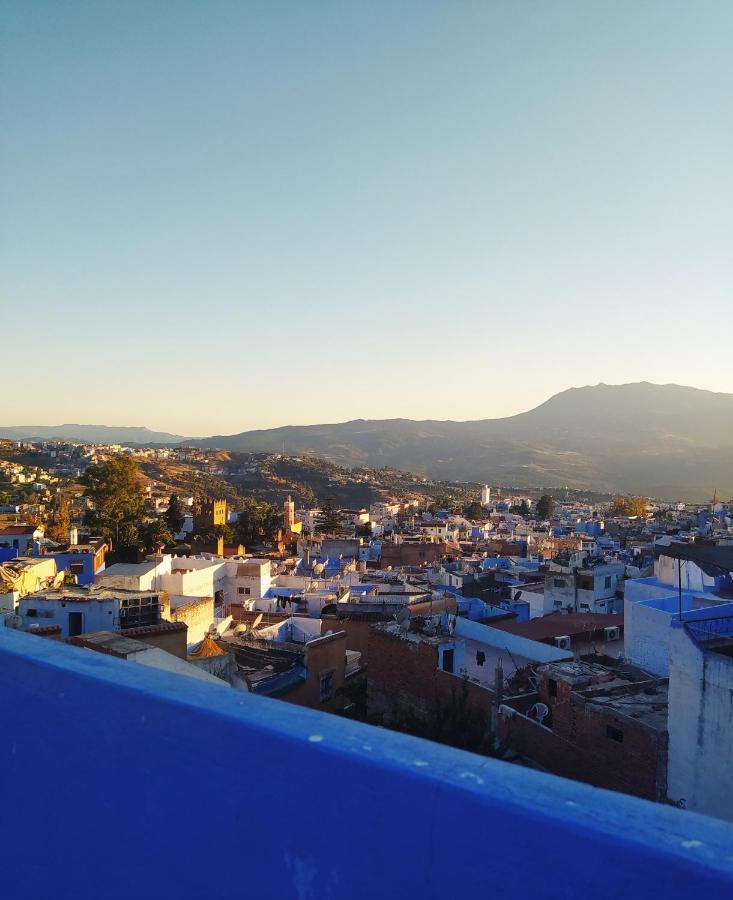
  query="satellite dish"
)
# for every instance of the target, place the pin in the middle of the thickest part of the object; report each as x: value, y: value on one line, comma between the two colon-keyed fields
x: 257, y: 621
x: 318, y: 568
x: 14, y: 621
x: 539, y: 711
x: 241, y: 629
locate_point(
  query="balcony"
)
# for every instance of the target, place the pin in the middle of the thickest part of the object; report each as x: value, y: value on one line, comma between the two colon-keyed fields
x: 121, y: 781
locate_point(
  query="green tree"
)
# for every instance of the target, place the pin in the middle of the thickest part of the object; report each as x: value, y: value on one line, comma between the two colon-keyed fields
x: 545, y: 507
x: 116, y: 491
x: 520, y: 509
x: 258, y: 522
x: 329, y: 518
x: 155, y: 536
x: 60, y: 521
x: 474, y: 510
x: 174, y: 516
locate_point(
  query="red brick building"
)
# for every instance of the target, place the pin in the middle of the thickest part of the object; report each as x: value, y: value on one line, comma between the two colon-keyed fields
x: 599, y: 725
x: 412, y: 553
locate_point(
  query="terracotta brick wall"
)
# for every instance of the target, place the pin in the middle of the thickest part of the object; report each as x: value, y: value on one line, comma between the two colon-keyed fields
x: 579, y: 747
x: 324, y: 655
x: 404, y: 674
x: 357, y: 633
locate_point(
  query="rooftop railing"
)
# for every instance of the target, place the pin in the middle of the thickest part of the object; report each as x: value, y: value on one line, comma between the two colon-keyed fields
x: 712, y: 629
x: 121, y: 781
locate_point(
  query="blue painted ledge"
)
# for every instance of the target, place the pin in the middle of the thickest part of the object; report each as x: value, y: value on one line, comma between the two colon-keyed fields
x: 122, y: 781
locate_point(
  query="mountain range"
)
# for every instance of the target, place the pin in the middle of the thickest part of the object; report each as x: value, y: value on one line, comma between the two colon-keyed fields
x: 665, y: 441
x: 89, y: 434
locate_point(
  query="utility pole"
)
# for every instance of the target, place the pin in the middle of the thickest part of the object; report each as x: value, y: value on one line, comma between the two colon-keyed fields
x: 498, y: 690
x: 679, y: 583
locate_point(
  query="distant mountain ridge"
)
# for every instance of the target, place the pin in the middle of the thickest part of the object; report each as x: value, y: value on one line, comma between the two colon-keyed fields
x: 667, y: 441
x: 89, y: 434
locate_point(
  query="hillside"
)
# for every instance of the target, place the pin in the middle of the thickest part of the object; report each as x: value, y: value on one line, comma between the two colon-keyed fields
x: 661, y: 440
x: 89, y: 434
x: 271, y: 477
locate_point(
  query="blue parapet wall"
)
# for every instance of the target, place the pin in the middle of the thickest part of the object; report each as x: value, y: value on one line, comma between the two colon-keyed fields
x: 117, y: 781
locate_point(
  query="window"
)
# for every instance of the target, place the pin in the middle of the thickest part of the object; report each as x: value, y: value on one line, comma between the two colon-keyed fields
x: 608, y: 582
x: 32, y: 613
x: 448, y: 660
x: 614, y: 734
x: 326, y: 685
x: 480, y: 657
x: 242, y: 590
x: 559, y: 582
x: 76, y: 568
x: 552, y: 687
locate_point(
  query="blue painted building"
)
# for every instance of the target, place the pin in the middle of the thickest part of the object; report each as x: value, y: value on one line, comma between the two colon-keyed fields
x: 79, y: 564
x: 82, y: 560
x: 7, y: 553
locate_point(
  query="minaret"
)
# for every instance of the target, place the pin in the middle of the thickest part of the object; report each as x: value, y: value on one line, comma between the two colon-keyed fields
x: 288, y: 515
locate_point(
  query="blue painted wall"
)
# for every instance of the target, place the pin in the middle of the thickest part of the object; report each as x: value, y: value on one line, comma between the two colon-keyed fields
x: 64, y: 560
x: 7, y: 553
x: 519, y: 607
x: 109, y: 786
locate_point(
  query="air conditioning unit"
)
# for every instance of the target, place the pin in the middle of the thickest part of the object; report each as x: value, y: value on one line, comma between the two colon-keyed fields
x: 612, y: 633
x: 563, y: 642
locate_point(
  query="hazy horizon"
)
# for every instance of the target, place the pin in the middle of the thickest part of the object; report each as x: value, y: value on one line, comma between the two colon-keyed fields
x: 194, y: 435
x: 238, y: 216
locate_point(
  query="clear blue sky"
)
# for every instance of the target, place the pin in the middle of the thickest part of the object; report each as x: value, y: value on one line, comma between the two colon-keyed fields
x: 227, y: 215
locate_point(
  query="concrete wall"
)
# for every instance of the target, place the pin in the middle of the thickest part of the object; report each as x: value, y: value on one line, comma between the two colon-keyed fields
x: 378, y: 785
x: 700, y: 772
x: 646, y: 637
x: 142, y: 578
x: 192, y: 582
x: 647, y: 627
x: 693, y: 578
x: 197, y: 613
x: 559, y: 589
x: 503, y: 641
x: 169, y: 637
x: 98, y: 615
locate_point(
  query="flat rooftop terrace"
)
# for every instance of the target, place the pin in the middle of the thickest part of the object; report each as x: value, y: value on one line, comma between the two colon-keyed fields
x: 102, y: 761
